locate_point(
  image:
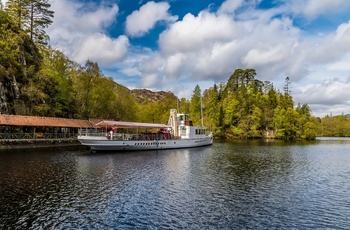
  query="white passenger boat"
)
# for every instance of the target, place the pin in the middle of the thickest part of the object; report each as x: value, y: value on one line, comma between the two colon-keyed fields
x: 178, y: 133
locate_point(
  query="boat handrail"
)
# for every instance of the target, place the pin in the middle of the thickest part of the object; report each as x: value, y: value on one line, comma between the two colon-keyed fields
x: 125, y: 136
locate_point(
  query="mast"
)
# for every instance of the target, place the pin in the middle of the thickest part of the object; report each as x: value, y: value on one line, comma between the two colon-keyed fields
x: 202, y: 112
x: 173, y: 121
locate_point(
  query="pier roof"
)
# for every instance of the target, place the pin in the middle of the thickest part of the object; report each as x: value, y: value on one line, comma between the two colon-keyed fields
x: 19, y: 120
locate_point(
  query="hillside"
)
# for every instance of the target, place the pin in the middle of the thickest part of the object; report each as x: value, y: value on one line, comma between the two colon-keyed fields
x: 145, y: 96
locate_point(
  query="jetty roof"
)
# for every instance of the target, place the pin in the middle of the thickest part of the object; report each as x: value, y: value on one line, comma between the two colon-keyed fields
x: 18, y: 120
x: 124, y: 124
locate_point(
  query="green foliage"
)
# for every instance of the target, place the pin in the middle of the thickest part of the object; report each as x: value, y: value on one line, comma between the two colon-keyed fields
x: 9, y: 46
x: 100, y: 97
x: 211, y: 104
x: 158, y: 112
x: 334, y: 126
x: 184, y: 106
x: 246, y: 107
x: 19, y: 61
x: 50, y: 91
x: 195, y: 106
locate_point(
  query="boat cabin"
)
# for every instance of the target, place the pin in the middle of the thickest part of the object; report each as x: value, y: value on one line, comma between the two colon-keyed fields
x: 183, y: 127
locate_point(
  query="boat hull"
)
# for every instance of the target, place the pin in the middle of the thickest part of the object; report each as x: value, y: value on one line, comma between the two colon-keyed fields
x: 102, y: 144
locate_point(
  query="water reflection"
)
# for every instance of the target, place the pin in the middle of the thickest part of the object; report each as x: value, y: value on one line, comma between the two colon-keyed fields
x: 238, y: 184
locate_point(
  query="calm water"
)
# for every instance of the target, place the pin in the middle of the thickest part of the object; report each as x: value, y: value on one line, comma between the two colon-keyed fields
x: 230, y: 185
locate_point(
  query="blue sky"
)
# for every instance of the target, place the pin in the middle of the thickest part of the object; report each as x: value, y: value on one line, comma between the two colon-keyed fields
x: 172, y: 45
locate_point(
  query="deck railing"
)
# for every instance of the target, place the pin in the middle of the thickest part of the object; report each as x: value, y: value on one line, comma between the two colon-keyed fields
x: 125, y: 136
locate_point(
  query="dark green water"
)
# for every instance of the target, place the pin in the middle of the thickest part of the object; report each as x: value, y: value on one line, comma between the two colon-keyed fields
x: 230, y: 185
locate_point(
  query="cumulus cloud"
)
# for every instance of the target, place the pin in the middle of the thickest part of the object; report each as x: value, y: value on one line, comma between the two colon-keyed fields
x: 193, y: 33
x: 79, y: 30
x: 329, y: 96
x: 102, y: 49
x: 314, y: 8
x: 215, y: 44
x: 141, y: 21
x: 334, y: 47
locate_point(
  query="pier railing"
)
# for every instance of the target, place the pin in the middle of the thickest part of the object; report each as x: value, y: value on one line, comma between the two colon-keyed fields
x: 26, y: 136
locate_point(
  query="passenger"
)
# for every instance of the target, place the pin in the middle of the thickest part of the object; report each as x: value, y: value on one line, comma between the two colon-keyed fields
x: 111, y: 134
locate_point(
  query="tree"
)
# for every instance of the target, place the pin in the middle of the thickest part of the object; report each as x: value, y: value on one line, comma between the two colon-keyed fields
x: 212, y: 104
x: 285, y: 123
x: 195, y: 107
x: 85, y: 82
x: 20, y: 60
x: 286, y: 86
x: 184, y: 106
x: 158, y: 112
x: 248, y: 75
x: 39, y: 17
x: 230, y: 108
x: 32, y: 16
x: 233, y: 82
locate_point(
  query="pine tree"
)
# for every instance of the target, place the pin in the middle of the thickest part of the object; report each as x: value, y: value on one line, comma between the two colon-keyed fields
x: 40, y: 17
x: 32, y: 16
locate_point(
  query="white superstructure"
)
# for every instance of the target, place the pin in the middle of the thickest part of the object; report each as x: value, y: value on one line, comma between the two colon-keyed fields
x: 178, y: 133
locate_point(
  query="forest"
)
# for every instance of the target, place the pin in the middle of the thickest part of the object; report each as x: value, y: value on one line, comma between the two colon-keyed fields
x: 37, y: 80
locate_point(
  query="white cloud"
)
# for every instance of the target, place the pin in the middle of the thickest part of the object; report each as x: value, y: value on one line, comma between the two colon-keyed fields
x: 79, y: 30
x: 193, y: 33
x: 335, y: 46
x: 314, y: 8
x: 339, y: 66
x: 328, y: 96
x: 229, y: 6
x: 212, y: 45
x: 141, y: 21
x: 102, y: 49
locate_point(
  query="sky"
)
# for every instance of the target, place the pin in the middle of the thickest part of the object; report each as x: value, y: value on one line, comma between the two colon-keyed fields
x: 173, y: 45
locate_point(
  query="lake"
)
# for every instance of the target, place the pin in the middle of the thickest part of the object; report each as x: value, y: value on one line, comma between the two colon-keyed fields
x: 237, y: 184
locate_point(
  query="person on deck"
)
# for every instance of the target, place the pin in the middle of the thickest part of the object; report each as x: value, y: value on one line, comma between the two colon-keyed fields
x: 111, y: 134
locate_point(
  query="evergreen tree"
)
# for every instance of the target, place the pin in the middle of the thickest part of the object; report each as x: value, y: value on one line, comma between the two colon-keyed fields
x: 248, y: 75
x: 40, y: 17
x: 32, y: 16
x: 195, y: 107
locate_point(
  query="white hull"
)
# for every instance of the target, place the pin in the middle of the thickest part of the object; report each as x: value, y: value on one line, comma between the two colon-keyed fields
x: 103, y: 144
